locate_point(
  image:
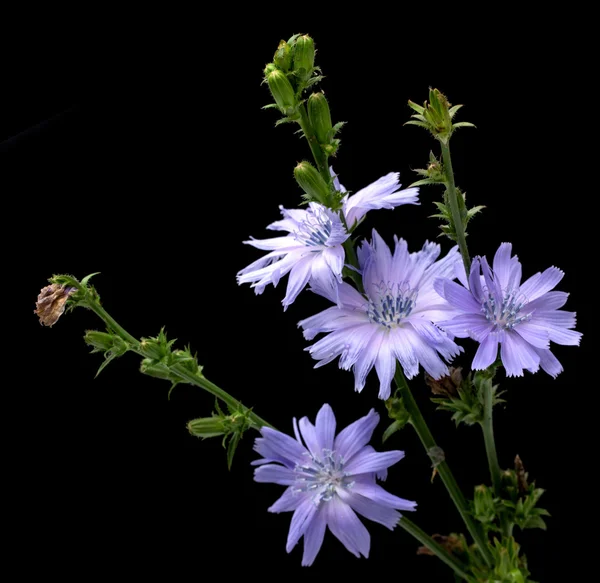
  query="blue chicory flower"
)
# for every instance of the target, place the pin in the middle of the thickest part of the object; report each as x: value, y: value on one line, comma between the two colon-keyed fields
x: 329, y: 479
x: 395, y: 319
x: 523, y: 318
x: 313, y: 249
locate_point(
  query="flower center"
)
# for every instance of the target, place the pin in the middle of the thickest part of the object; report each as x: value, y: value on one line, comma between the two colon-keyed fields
x: 505, y: 314
x: 392, y: 305
x: 315, y: 229
x: 322, y: 476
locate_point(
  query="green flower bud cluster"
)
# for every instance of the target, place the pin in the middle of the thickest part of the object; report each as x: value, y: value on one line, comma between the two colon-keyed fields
x: 467, y: 405
x: 290, y: 73
x: 436, y: 116
x: 522, y: 498
x: 164, y: 363
x: 232, y: 426
x: 509, y: 567
x: 484, y: 506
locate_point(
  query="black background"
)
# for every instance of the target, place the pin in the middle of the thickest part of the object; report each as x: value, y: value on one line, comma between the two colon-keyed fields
x: 150, y: 163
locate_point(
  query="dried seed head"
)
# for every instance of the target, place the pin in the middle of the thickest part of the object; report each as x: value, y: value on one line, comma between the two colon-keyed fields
x: 446, y: 386
x: 51, y: 303
x: 451, y: 543
x: 521, y: 475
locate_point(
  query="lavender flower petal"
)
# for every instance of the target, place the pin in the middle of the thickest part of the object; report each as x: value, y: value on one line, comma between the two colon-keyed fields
x: 275, y: 474
x: 290, y: 500
x: 357, y: 435
x: 371, y: 510
x: 363, y: 463
x: 303, y: 515
x: 384, y: 193
x: 486, y: 353
x: 376, y: 493
x: 347, y: 528
x: 325, y: 427
x: 313, y: 538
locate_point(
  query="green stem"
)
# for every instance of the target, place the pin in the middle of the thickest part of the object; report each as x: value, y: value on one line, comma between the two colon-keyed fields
x: 112, y: 324
x: 318, y: 154
x: 178, y: 369
x: 438, y: 550
x: 490, y: 448
x: 420, y: 426
x: 453, y: 200
x: 353, y: 260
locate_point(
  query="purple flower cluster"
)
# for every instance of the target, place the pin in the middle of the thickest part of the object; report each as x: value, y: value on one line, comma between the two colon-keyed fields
x: 409, y: 311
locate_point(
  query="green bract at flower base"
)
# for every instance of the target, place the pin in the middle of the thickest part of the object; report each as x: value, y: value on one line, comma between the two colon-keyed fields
x: 232, y: 427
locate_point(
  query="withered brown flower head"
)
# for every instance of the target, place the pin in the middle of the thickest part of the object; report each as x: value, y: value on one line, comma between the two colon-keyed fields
x: 521, y: 475
x: 451, y: 543
x: 51, y: 302
x: 446, y: 386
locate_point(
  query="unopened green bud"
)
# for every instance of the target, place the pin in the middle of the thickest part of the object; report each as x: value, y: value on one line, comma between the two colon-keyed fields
x: 304, y: 57
x: 207, y: 427
x: 484, y: 504
x: 515, y: 576
x: 99, y: 340
x: 509, y: 480
x: 152, y: 349
x: 320, y: 117
x: 156, y: 369
x: 311, y: 182
x: 105, y: 342
x: 282, y: 91
x: 187, y: 360
x: 283, y: 56
x: 269, y: 68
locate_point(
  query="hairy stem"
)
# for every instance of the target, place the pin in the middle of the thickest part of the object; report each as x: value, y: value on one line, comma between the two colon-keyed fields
x: 453, y: 200
x: 318, y: 154
x: 190, y: 377
x: 420, y: 426
x: 490, y: 449
x: 438, y: 550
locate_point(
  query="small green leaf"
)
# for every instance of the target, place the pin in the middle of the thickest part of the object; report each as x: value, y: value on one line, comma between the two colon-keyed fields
x: 283, y: 120
x: 452, y: 111
x: 536, y: 521
x: 463, y: 124
x: 424, y: 182
x: 108, y: 357
x: 416, y: 107
x: 473, y: 211
x: 87, y: 278
x: 393, y: 428
x: 416, y: 123
x: 233, y: 443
